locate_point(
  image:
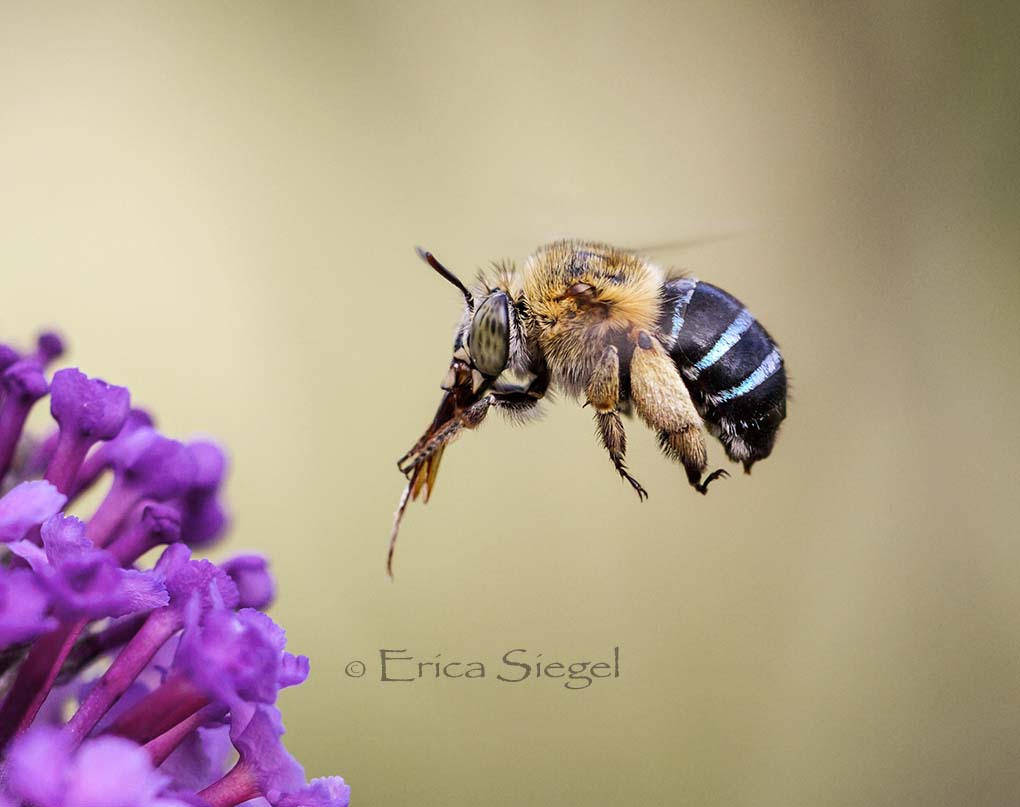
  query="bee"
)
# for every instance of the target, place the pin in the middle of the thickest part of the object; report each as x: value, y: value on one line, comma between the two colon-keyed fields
x: 609, y: 327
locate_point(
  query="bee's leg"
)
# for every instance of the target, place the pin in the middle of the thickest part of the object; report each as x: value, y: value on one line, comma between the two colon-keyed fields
x: 518, y: 401
x: 470, y: 418
x: 604, y: 396
x: 664, y: 404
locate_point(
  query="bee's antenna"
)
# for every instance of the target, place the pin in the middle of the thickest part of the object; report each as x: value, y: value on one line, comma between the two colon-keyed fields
x: 430, y: 259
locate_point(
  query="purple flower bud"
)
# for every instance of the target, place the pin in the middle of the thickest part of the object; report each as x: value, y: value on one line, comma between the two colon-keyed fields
x: 24, y: 384
x: 265, y: 768
x: 49, y: 346
x: 211, y: 466
x: 204, y: 517
x: 146, y: 466
x: 187, y: 579
x: 24, y: 380
x: 294, y: 670
x: 161, y: 467
x: 102, y: 458
x: 36, y: 766
x: 8, y: 356
x: 330, y: 791
x: 200, y: 759
x: 233, y: 656
x: 44, y: 769
x: 88, y: 410
x: 254, y: 583
x: 23, y: 607
x: 85, y: 582
x: 159, y: 524
x: 88, y: 406
x: 27, y: 506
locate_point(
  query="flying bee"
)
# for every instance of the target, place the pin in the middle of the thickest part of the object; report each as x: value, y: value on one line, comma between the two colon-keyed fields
x: 607, y: 326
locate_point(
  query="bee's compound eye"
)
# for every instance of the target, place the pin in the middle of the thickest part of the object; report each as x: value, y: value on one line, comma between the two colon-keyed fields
x: 489, y: 340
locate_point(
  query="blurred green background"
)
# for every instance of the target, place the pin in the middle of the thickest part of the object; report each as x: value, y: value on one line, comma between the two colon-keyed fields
x: 217, y: 203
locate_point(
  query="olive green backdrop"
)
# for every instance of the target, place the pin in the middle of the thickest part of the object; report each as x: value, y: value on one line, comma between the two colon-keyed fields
x: 218, y: 204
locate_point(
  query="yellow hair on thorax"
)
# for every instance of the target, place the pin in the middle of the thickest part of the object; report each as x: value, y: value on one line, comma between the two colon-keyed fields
x: 626, y: 284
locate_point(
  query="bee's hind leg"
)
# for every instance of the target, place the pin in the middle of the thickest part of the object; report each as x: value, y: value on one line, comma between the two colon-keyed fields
x: 663, y: 402
x: 604, y: 396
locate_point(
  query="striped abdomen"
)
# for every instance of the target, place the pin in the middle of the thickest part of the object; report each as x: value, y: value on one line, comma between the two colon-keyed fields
x: 730, y: 365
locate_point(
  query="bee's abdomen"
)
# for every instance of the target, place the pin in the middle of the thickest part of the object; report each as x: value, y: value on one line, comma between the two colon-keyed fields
x: 729, y: 363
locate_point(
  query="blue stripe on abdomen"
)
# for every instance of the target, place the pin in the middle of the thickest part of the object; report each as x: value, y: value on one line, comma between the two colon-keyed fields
x: 724, y: 343
x: 680, y: 308
x: 764, y: 371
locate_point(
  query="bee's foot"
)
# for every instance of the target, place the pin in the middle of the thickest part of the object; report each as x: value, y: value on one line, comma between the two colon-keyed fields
x: 720, y: 473
x: 641, y: 492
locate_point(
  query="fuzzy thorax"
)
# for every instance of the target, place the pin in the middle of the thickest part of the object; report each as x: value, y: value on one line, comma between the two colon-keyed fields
x: 582, y: 296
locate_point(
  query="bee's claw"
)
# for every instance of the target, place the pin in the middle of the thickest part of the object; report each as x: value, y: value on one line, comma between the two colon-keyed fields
x: 719, y: 473
x: 641, y: 492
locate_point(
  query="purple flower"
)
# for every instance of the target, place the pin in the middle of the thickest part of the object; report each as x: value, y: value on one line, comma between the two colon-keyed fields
x: 44, y: 769
x: 83, y: 581
x: 201, y: 759
x: 233, y: 656
x: 8, y: 355
x: 204, y: 518
x: 159, y: 524
x: 27, y: 506
x: 192, y: 585
x: 49, y: 345
x: 23, y: 607
x: 101, y: 458
x: 250, y: 574
x: 23, y: 383
x: 265, y: 768
x: 87, y: 410
x: 190, y: 665
x: 330, y: 791
x: 146, y: 466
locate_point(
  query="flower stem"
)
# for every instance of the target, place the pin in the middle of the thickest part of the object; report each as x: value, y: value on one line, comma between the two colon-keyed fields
x: 67, y: 459
x: 96, y: 644
x: 13, y: 414
x: 102, y: 527
x: 160, y: 626
x: 166, y: 743
x: 172, y: 702
x: 36, y: 677
x: 237, y: 786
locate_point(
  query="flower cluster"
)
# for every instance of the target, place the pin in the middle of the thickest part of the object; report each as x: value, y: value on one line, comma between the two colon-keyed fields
x: 126, y: 683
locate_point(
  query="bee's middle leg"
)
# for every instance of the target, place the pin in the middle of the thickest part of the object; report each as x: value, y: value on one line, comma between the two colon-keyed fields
x: 664, y: 404
x: 604, y: 396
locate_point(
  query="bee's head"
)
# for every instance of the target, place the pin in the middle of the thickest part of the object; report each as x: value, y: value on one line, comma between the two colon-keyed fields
x: 489, y: 332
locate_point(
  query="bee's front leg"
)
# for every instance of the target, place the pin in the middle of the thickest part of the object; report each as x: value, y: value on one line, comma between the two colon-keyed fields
x: 470, y: 418
x: 604, y: 396
x: 517, y: 401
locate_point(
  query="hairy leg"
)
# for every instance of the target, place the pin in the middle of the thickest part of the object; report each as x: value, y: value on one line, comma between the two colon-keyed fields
x: 662, y: 401
x: 470, y: 418
x: 604, y: 396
